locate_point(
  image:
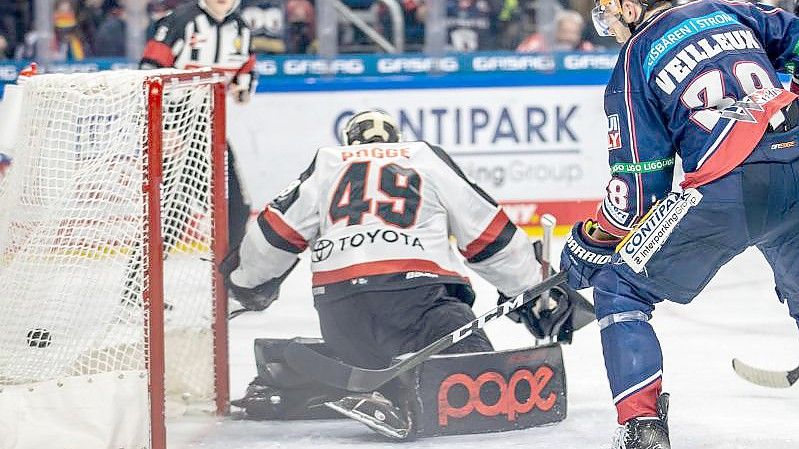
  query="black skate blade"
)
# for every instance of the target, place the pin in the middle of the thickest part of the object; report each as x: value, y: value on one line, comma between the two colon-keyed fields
x: 370, y: 422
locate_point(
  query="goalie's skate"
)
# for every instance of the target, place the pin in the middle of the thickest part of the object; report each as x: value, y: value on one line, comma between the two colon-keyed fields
x: 376, y: 412
x: 646, y: 432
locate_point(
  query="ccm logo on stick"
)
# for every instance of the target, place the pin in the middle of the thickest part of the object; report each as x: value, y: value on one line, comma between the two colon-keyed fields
x: 508, y: 403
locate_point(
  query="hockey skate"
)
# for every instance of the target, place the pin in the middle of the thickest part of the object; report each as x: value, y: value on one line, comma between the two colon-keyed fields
x: 376, y: 412
x: 261, y: 401
x: 646, y: 432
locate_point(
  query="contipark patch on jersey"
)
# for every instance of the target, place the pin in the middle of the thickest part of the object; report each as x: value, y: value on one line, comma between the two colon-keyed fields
x: 651, y: 233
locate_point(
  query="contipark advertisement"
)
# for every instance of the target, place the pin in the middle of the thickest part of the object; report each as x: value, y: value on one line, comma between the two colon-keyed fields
x: 535, y: 149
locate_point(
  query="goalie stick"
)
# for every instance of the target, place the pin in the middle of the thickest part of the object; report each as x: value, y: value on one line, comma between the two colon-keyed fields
x: 765, y: 378
x: 335, y: 373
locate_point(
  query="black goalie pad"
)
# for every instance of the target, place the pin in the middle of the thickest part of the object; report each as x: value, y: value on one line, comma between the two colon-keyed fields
x: 488, y: 391
x: 279, y: 392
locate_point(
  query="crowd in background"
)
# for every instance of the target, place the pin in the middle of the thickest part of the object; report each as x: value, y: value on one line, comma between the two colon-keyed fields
x: 97, y: 28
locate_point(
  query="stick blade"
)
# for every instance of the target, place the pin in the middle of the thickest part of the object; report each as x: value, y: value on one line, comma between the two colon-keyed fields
x: 771, y: 379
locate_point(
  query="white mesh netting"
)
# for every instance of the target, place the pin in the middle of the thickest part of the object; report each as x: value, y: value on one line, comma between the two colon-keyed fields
x: 73, y: 229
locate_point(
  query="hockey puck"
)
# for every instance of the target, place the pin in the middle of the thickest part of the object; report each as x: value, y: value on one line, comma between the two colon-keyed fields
x: 39, y: 338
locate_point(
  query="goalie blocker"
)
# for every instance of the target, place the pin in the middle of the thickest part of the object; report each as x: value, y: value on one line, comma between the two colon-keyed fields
x: 449, y: 394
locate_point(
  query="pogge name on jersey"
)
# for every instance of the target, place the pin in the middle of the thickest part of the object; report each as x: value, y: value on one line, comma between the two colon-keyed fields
x: 684, y: 62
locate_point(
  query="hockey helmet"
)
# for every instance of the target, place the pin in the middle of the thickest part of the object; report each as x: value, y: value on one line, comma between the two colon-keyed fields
x: 371, y: 126
x: 603, y: 9
x: 599, y: 15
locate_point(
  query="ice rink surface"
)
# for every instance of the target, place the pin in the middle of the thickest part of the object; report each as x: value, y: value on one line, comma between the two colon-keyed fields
x: 738, y: 315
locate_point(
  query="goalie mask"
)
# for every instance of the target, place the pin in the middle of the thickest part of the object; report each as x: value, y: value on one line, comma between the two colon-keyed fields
x: 373, y: 126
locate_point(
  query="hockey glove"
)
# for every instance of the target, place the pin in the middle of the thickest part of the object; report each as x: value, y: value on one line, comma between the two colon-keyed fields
x: 571, y: 313
x: 256, y: 298
x: 795, y: 83
x: 582, y: 256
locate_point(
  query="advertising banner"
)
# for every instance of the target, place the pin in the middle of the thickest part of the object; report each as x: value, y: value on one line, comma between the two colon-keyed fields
x: 535, y: 149
x: 491, y: 392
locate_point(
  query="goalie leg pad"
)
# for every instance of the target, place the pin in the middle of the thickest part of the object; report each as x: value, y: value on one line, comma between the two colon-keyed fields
x: 489, y: 391
x: 279, y: 392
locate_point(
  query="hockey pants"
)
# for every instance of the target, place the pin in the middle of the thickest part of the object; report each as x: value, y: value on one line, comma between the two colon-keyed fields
x: 757, y: 204
x: 371, y: 328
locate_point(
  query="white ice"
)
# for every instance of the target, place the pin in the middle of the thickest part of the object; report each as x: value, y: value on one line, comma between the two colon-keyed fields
x: 738, y: 315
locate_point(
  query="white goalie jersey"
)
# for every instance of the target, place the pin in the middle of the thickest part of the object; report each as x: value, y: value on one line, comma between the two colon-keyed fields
x: 379, y: 217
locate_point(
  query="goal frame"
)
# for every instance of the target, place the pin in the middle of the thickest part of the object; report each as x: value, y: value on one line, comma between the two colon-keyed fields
x: 153, y: 294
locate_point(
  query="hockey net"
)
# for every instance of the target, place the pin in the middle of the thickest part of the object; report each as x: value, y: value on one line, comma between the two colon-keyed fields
x: 112, y: 220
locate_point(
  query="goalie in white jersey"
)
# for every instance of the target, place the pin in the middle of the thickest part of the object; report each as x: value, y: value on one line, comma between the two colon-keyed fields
x: 377, y: 215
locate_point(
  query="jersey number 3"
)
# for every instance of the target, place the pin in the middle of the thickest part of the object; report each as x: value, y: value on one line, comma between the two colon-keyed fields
x: 401, y: 185
x: 707, y: 91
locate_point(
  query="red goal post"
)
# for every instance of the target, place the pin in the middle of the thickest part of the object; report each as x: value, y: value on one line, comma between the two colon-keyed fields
x: 113, y: 222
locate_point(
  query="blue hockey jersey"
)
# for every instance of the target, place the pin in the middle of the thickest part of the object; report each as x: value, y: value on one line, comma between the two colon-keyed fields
x: 675, y: 90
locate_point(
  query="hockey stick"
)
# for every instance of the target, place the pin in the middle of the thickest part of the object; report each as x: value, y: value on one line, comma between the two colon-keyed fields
x: 335, y: 373
x: 237, y: 312
x: 279, y: 280
x: 765, y: 378
x: 548, y: 223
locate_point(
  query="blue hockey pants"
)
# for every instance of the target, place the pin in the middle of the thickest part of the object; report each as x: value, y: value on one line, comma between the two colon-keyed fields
x: 757, y: 204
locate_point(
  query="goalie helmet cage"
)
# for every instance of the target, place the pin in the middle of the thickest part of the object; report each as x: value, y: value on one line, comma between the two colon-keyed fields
x: 113, y: 220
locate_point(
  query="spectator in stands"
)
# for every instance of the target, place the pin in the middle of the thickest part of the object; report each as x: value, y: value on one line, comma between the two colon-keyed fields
x: 10, y: 23
x: 109, y: 39
x: 69, y: 42
x: 568, y: 35
x: 414, y: 15
x: 4, y: 47
x: 470, y: 25
x: 301, y: 31
x: 266, y: 20
x: 156, y: 9
x: 90, y: 16
x: 509, y: 23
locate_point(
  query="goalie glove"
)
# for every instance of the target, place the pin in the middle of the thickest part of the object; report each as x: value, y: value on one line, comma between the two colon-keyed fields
x: 583, y: 256
x: 551, y: 323
x: 554, y: 323
x: 252, y: 298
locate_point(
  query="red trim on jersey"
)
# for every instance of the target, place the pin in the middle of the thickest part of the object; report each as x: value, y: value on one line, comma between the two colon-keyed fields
x: 249, y: 65
x: 606, y: 225
x: 738, y: 143
x: 284, y: 230
x: 640, y: 403
x: 159, y: 52
x: 488, y: 236
x: 377, y: 268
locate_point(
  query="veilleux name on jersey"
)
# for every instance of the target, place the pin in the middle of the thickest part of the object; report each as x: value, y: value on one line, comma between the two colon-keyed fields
x: 686, y: 60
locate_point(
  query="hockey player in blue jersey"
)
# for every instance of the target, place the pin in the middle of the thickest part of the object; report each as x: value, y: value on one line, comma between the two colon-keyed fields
x: 699, y: 81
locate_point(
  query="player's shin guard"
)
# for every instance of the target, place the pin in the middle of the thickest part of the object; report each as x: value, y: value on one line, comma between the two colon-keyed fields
x: 633, y: 358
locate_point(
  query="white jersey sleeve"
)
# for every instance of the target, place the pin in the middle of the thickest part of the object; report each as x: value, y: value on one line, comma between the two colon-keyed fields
x: 379, y: 217
x: 280, y: 232
x: 493, y: 246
